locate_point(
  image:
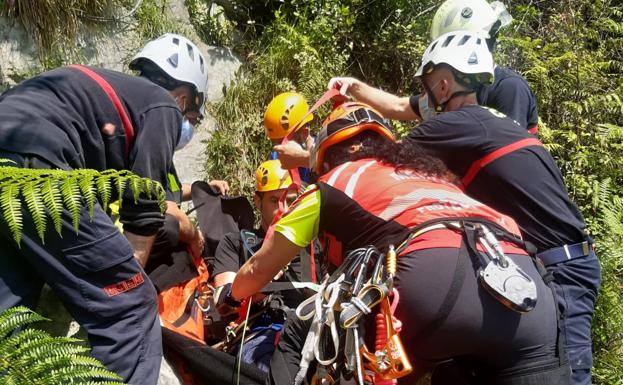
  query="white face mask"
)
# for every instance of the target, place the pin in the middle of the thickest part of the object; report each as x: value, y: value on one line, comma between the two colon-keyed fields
x: 426, y: 111
x: 186, y: 134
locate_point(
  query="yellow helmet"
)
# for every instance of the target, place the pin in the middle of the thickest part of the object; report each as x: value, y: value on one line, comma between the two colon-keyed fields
x: 270, y: 176
x: 284, y: 114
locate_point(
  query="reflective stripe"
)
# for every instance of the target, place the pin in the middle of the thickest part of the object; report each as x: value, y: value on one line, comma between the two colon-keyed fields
x: 485, y: 160
x: 437, y: 196
x: 352, y: 182
x: 337, y: 173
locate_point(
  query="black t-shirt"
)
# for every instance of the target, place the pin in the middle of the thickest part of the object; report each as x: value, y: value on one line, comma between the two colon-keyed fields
x: 510, y: 94
x: 525, y: 184
x: 58, y: 116
x: 230, y: 256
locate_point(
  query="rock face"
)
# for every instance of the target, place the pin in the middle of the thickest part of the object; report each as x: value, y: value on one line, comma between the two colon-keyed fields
x: 113, y: 49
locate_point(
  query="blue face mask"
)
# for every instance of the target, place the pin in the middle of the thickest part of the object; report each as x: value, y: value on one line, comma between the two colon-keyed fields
x: 186, y: 134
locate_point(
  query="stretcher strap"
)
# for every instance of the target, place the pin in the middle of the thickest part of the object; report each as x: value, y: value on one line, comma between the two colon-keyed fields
x: 112, y: 95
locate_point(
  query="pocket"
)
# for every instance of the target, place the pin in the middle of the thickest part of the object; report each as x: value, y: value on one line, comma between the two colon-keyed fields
x: 100, y: 254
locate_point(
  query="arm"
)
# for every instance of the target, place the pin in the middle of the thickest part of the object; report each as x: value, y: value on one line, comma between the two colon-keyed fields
x: 189, y: 233
x: 141, y: 245
x: 275, y: 253
x: 151, y: 156
x: 389, y: 105
x: 293, y: 232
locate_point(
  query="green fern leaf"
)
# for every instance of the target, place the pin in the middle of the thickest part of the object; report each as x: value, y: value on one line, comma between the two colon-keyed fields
x: 17, y: 317
x: 11, y: 210
x: 36, y: 207
x: 120, y: 183
x: 135, y: 185
x: 71, y: 197
x: 52, y: 201
x: 102, y: 182
x: 88, y: 191
x: 147, y: 187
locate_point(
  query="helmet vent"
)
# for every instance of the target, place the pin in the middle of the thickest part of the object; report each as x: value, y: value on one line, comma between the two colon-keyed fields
x: 447, y: 41
x: 473, y: 59
x: 464, y: 40
x: 191, y: 53
x: 176, y: 41
x: 173, y: 60
x: 201, y: 64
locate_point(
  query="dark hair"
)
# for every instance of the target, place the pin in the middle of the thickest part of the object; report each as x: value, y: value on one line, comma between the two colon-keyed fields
x: 404, y: 157
x: 155, y: 74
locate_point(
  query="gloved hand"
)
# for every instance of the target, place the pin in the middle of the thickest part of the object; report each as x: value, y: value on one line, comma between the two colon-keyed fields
x: 226, y: 304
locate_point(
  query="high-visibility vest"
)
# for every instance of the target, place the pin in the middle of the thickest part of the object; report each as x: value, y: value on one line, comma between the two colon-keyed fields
x: 405, y: 198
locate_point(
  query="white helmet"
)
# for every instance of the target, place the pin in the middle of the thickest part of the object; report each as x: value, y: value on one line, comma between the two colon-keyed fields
x: 464, y: 51
x: 179, y: 58
x: 469, y: 15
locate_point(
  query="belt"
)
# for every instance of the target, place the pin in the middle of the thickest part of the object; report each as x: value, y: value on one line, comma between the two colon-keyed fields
x: 564, y: 253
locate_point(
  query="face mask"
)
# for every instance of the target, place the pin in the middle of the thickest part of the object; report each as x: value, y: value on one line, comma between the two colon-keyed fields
x: 186, y: 134
x: 426, y: 111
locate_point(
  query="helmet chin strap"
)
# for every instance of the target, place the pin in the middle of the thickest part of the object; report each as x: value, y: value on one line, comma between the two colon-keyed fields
x: 441, y: 107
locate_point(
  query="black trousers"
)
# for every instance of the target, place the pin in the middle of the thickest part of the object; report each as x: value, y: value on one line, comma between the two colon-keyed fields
x: 496, y: 344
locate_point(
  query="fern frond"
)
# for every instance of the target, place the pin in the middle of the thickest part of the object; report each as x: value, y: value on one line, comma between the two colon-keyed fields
x: 33, y: 357
x: 120, y: 184
x: 36, y: 207
x: 71, y: 197
x: 147, y: 187
x: 11, y: 210
x: 135, y: 185
x: 102, y: 183
x: 88, y: 191
x: 52, y: 201
x: 16, y: 317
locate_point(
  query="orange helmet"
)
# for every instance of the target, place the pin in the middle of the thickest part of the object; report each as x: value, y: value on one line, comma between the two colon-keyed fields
x: 344, y: 122
x: 284, y: 114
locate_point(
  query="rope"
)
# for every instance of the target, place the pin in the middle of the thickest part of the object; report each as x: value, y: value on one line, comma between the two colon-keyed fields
x: 244, y: 332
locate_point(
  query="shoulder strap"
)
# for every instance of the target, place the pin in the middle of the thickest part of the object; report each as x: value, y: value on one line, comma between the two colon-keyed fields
x: 112, y: 95
x: 490, y: 157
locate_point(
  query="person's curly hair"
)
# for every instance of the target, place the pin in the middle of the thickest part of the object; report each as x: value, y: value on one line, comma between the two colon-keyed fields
x: 368, y: 144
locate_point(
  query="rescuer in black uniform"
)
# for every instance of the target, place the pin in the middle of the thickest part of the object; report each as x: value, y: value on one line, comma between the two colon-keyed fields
x: 82, y: 117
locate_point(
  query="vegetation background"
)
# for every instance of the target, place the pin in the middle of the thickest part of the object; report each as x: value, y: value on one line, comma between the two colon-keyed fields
x: 570, y: 51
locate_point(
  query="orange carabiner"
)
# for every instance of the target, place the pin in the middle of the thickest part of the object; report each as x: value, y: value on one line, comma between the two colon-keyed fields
x: 391, y: 361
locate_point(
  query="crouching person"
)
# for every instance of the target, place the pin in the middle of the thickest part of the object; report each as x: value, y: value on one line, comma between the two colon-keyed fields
x: 372, y: 191
x: 271, y: 182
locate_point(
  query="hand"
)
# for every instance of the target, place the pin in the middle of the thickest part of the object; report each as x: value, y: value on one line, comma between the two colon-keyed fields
x: 221, y: 186
x: 197, y: 244
x: 342, y: 84
x: 292, y: 155
x: 225, y: 303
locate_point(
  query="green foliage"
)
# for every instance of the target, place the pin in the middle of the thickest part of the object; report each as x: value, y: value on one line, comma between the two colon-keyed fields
x: 48, y: 192
x: 153, y: 20
x: 30, y: 356
x: 297, y: 46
